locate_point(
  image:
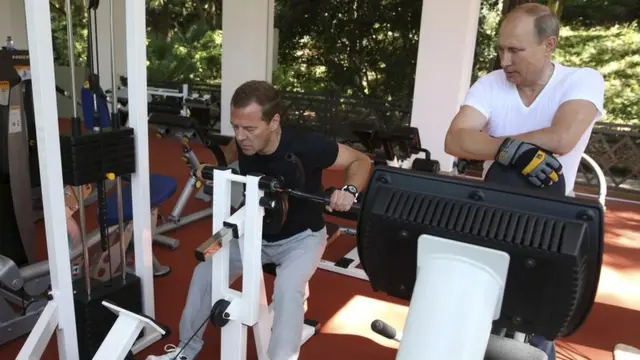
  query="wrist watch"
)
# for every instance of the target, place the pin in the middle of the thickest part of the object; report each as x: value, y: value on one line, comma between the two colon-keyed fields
x: 351, y: 189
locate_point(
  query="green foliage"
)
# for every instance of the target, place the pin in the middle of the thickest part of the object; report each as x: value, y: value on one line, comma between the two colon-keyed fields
x: 59, y: 32
x: 192, y: 55
x: 485, y: 53
x: 615, y: 52
x: 600, y: 12
x: 363, y: 48
x: 369, y: 47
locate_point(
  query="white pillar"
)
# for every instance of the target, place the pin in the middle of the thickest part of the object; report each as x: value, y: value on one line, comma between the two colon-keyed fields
x: 104, y: 45
x: 443, y: 71
x: 247, y: 46
x: 13, y: 23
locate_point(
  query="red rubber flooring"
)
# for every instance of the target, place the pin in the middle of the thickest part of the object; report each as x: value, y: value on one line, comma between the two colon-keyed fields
x: 346, y: 306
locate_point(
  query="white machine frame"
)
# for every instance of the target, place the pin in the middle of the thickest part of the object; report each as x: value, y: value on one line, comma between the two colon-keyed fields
x: 249, y: 307
x: 462, y: 271
x: 59, y: 314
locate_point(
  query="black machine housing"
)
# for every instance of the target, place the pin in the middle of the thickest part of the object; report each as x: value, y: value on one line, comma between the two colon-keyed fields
x: 555, y: 243
x: 11, y: 61
x: 93, y: 319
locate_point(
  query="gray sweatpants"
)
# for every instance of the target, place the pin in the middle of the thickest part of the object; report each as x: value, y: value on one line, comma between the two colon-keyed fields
x: 297, y: 258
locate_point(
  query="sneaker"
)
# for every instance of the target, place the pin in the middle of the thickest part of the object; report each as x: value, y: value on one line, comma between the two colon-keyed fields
x: 172, y: 351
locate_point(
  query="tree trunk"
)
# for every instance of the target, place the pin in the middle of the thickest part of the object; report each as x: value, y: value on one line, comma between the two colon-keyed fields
x: 507, y: 6
x: 556, y: 7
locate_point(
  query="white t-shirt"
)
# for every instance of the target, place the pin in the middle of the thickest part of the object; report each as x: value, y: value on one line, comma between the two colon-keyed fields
x: 498, y: 100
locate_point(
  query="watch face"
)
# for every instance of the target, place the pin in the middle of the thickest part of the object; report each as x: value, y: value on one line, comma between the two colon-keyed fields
x: 351, y: 189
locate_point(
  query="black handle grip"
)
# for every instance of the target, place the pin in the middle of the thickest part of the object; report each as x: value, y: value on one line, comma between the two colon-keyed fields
x: 382, y: 328
x: 354, y: 207
x: 325, y: 200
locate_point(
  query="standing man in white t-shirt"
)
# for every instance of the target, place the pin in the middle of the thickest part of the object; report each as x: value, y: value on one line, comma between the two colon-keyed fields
x: 534, y: 115
x: 532, y: 104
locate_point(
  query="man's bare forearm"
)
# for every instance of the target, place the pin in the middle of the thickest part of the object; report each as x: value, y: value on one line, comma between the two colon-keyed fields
x: 472, y: 144
x: 546, y: 138
x: 357, y: 173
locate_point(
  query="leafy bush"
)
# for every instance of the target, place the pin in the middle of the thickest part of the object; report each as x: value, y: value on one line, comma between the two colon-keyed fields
x: 192, y: 55
x: 615, y: 52
x: 600, y: 12
x: 485, y: 53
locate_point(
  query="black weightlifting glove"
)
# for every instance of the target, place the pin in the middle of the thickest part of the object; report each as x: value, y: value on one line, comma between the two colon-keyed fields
x: 539, y: 166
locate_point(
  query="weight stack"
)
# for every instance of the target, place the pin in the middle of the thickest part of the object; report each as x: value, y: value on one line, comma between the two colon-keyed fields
x: 94, y: 320
x: 88, y: 158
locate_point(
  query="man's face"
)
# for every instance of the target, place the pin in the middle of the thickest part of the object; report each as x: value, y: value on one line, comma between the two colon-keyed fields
x: 522, y: 55
x: 251, y: 131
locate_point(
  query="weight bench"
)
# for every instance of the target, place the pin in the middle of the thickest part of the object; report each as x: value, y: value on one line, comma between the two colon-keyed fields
x: 161, y: 188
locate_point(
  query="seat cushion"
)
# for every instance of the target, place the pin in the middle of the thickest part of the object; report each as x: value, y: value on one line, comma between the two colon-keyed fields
x: 161, y: 189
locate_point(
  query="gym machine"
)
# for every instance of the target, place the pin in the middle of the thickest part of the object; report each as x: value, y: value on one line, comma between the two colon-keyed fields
x: 486, y: 255
x: 468, y: 256
x: 83, y: 311
x: 199, y: 101
x: 461, y: 165
x: 400, y: 148
x: 19, y: 158
x: 397, y: 149
x: 100, y: 111
x: 19, y: 190
x: 235, y: 311
x: 174, y: 98
x: 176, y: 218
x: 169, y: 121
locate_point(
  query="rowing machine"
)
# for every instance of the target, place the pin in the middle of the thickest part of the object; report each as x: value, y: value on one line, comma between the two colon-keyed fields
x: 80, y: 316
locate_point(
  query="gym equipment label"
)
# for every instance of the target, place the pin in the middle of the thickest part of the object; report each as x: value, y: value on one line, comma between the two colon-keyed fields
x: 4, y: 93
x: 15, y: 120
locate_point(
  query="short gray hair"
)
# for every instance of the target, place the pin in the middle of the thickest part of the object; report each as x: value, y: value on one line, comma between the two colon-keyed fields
x: 545, y: 23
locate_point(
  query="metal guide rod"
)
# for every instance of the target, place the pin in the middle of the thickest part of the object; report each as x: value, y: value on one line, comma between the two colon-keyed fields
x: 72, y: 57
x: 116, y: 124
x: 78, y: 189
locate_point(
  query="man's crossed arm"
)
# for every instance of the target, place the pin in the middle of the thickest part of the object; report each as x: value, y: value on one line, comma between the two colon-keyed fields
x: 582, y: 99
x: 465, y: 138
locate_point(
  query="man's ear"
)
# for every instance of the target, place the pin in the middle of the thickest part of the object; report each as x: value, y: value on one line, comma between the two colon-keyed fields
x: 551, y: 43
x: 275, y: 122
